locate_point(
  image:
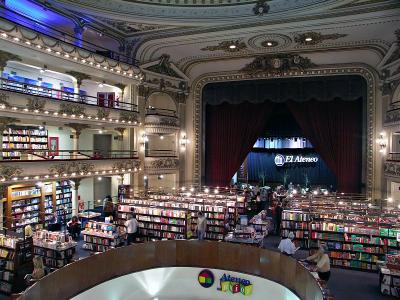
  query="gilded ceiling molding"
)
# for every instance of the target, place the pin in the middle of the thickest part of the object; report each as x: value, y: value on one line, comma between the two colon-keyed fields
x: 227, y: 46
x: 278, y: 64
x: 314, y: 38
x: 363, y: 70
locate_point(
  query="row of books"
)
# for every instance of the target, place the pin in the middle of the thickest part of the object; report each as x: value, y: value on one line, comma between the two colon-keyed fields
x: 28, y: 192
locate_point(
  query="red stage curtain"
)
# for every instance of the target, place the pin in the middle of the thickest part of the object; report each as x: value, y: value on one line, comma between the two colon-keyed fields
x: 334, y: 128
x: 231, y: 132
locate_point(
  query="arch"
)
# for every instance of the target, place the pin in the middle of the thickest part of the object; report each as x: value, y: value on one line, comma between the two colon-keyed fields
x: 358, y: 69
x: 161, y: 101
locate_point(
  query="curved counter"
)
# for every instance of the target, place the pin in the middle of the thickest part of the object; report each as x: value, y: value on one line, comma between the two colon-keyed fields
x: 90, y: 272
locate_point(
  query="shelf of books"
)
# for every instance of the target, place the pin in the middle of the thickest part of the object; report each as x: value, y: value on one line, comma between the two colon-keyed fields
x: 100, y: 236
x: 23, y: 206
x: 23, y: 138
x: 157, y: 222
x: 64, y: 199
x: 15, y: 261
x: 56, y: 248
x: 354, y: 240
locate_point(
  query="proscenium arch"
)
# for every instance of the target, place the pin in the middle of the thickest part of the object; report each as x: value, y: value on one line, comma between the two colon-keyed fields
x: 362, y: 70
x: 162, y: 100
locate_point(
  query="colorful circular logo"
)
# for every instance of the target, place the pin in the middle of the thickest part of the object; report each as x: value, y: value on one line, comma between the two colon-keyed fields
x: 206, y: 278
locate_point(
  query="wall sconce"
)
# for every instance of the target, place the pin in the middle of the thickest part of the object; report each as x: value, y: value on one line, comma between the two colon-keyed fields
x: 184, y: 141
x: 382, y: 142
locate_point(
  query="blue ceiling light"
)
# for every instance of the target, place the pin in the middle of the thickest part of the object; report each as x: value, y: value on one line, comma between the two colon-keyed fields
x: 34, y: 11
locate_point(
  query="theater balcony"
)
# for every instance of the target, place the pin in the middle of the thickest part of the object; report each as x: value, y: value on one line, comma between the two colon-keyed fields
x: 161, y: 121
x: 392, y: 164
x: 36, y: 102
x: 43, y: 165
x: 161, y: 161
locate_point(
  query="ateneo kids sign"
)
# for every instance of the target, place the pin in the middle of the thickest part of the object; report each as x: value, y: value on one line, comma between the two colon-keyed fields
x: 280, y: 160
x: 227, y: 283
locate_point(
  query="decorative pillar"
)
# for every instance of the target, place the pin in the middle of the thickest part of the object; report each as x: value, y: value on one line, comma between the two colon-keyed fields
x: 121, y: 131
x: 75, y: 202
x: 141, y: 102
x: 3, y: 189
x: 5, y: 57
x: 78, y: 30
x: 4, y: 123
x: 79, y: 77
x: 77, y: 127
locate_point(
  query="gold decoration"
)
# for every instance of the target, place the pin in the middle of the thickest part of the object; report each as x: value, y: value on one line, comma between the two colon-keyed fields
x: 8, y: 172
x: 78, y: 127
x: 314, y: 38
x: 5, y: 57
x: 72, y: 109
x: 103, y: 113
x: 278, y: 64
x: 78, y: 76
x: 126, y: 165
x: 4, y: 99
x: 128, y: 116
x: 35, y: 103
x: 227, y: 46
x: 71, y: 167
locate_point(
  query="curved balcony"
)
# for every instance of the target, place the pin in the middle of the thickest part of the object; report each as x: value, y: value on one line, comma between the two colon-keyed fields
x: 161, y: 121
x: 274, y: 268
x: 43, y: 165
x: 161, y: 162
x: 61, y: 105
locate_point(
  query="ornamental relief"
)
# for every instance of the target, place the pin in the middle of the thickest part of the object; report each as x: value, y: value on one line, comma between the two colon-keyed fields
x: 35, y: 103
x: 126, y: 165
x: 162, y: 163
x: 227, y: 46
x: 278, y: 64
x: 72, y: 109
x: 392, y: 169
x: 103, y: 113
x: 71, y: 167
x: 8, y: 172
x: 4, y: 97
x: 314, y: 38
x: 128, y: 116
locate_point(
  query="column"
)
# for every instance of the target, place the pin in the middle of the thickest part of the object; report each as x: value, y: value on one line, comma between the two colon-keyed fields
x: 3, y: 189
x: 181, y: 153
x: 77, y: 127
x: 75, y: 194
x: 78, y: 30
x: 141, y: 102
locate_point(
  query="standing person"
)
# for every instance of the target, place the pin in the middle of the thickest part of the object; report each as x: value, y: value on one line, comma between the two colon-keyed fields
x: 201, y: 225
x: 132, y: 226
x: 286, y: 246
x: 321, y: 257
x: 108, y: 207
x: 278, y: 217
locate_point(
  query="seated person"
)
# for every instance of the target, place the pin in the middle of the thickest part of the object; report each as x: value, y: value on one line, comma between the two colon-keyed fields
x: 74, y: 227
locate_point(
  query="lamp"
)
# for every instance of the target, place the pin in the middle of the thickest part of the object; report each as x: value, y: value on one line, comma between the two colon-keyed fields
x: 382, y: 142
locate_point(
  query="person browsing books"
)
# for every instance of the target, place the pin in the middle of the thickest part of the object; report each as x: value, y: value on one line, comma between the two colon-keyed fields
x: 286, y: 246
x: 201, y: 225
x: 132, y: 226
x: 321, y: 258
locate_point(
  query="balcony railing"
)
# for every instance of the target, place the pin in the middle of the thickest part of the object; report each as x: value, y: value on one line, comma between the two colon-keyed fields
x: 393, y: 156
x: 24, y: 21
x: 161, y: 112
x: 160, y: 153
x: 32, y: 155
x: 36, y: 90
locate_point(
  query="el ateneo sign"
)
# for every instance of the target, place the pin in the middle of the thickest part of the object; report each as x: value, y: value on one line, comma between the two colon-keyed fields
x: 281, y: 160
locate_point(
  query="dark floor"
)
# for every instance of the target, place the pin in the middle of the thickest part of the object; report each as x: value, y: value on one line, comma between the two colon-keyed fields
x: 344, y: 284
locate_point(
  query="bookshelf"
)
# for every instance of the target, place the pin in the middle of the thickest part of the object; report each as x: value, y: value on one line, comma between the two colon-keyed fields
x: 354, y: 240
x: 100, y: 236
x: 157, y: 222
x: 56, y: 248
x: 64, y: 199
x: 23, y: 138
x: 15, y: 261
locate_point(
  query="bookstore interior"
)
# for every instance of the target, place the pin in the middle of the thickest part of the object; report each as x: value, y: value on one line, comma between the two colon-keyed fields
x: 148, y: 145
